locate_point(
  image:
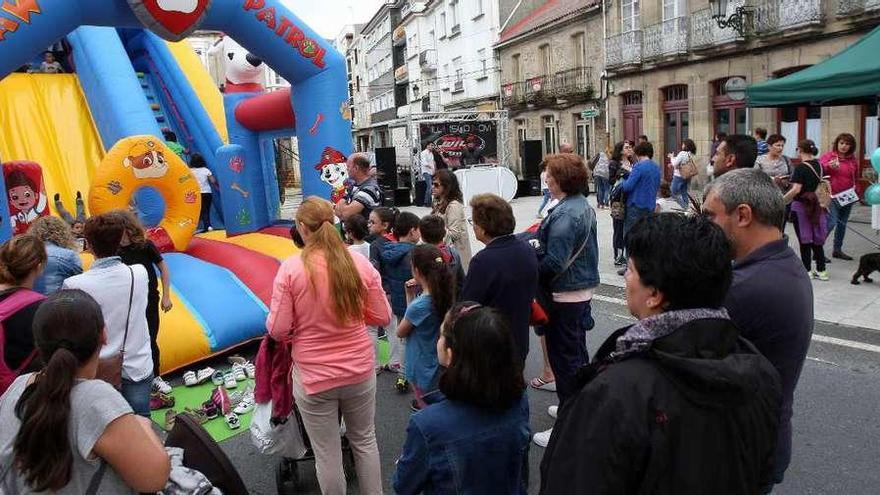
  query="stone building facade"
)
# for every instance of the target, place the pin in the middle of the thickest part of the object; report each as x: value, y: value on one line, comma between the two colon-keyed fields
x: 668, y: 62
x: 551, y: 65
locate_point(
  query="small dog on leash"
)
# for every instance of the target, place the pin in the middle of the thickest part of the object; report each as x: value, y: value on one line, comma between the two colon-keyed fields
x: 867, y: 264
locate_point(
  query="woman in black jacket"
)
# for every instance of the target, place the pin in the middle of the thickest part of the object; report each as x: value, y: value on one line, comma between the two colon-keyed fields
x: 619, y: 168
x: 678, y: 402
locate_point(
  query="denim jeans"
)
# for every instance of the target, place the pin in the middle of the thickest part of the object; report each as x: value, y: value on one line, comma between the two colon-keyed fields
x: 566, y: 339
x: 679, y: 189
x: 603, y: 191
x: 633, y: 214
x: 838, y: 216
x: 544, y: 201
x: 138, y: 395
x: 428, y: 178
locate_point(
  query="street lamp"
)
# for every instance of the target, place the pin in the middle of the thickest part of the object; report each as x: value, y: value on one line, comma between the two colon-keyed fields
x: 736, y: 20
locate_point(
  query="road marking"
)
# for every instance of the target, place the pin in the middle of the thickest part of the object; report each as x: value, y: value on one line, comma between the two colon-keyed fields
x: 612, y: 300
x: 847, y: 343
x: 817, y: 337
x: 822, y: 361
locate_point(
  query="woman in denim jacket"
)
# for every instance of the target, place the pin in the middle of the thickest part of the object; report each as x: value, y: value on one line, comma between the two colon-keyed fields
x: 568, y: 270
x: 474, y: 439
x: 61, y: 249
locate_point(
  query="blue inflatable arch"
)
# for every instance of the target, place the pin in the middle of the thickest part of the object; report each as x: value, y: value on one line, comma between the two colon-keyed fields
x: 266, y: 28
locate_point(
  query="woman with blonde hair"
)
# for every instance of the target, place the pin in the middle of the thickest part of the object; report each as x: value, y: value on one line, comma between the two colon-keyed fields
x: 21, y: 260
x: 62, y: 260
x: 322, y: 302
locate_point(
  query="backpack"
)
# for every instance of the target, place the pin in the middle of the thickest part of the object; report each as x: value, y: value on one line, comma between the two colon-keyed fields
x: 601, y: 168
x: 823, y: 190
x: 19, y: 300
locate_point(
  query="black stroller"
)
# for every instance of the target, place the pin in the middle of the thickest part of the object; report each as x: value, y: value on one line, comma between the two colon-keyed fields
x: 288, y: 477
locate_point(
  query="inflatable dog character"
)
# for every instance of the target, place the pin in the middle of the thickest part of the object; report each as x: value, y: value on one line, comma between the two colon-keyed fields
x: 146, y: 161
x: 244, y: 72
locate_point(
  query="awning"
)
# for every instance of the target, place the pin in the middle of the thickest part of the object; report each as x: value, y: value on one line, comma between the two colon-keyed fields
x: 850, y: 77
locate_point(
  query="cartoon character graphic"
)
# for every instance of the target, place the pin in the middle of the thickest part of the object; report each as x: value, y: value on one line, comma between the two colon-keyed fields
x: 25, y: 194
x: 182, y: 6
x: 244, y: 72
x: 146, y: 161
x: 334, y: 172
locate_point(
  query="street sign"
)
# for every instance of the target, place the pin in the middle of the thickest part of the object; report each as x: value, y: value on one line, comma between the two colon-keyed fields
x: 735, y: 87
x: 590, y: 113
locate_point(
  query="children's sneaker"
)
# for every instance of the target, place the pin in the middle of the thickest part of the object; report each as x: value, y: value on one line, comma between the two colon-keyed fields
x: 542, y: 438
x: 823, y: 276
x: 160, y: 385
x: 814, y: 274
x: 158, y: 400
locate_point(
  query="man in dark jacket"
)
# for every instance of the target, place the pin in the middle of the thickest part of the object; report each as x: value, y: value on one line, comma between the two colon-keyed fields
x: 749, y: 208
x: 677, y: 403
x: 504, y: 275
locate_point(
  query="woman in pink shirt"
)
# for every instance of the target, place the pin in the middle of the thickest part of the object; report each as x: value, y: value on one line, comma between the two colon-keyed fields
x: 842, y: 165
x: 322, y: 303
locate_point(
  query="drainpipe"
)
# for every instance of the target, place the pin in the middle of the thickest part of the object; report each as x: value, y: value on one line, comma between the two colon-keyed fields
x: 604, y: 77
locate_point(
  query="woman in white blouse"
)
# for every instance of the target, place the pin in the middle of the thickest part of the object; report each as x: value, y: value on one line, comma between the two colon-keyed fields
x: 679, y: 183
x: 449, y: 204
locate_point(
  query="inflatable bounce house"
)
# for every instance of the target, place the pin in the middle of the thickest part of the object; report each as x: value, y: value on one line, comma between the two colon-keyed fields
x: 100, y: 128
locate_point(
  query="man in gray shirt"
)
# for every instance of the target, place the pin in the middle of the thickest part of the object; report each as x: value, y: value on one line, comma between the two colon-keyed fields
x: 748, y: 206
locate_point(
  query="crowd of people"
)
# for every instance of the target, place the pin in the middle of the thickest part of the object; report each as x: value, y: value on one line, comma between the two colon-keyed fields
x: 695, y: 396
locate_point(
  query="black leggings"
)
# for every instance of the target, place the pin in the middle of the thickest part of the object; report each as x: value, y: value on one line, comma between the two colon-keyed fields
x: 205, y: 215
x: 810, y: 252
x: 153, y: 328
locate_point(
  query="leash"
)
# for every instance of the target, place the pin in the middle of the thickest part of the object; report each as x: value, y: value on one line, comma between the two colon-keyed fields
x: 863, y: 236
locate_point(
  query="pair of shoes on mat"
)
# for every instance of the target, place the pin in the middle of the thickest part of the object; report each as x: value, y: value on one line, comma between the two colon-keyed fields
x: 158, y: 400
x: 191, y: 378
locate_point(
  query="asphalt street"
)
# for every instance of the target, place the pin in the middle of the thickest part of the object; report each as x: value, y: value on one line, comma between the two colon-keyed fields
x: 836, y: 431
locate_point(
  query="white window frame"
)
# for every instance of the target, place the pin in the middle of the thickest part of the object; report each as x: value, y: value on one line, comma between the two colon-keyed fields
x: 484, y: 63
x: 479, y: 9
x: 629, y: 15
x: 546, y: 59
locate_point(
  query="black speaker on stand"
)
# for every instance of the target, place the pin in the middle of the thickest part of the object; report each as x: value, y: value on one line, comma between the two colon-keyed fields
x: 386, y: 172
x: 532, y: 153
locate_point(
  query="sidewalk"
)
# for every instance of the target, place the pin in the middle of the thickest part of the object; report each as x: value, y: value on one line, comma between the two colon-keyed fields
x: 836, y: 301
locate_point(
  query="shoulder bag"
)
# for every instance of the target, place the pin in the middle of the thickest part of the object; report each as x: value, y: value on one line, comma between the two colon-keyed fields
x: 689, y: 168
x: 847, y: 197
x: 544, y: 294
x: 110, y: 368
x: 823, y: 190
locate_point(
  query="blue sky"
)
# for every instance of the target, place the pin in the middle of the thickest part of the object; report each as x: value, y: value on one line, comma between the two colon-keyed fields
x: 332, y: 15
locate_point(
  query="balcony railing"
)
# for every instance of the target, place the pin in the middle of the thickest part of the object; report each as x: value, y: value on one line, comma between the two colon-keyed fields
x: 666, y: 39
x: 705, y: 32
x: 772, y: 16
x: 573, y: 84
x: 624, y: 49
x: 428, y: 60
x: 848, y: 8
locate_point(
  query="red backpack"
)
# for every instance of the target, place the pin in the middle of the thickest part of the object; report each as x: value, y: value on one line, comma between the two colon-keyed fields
x: 19, y: 300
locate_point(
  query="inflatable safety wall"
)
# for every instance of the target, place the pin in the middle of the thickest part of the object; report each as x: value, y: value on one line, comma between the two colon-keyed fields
x: 25, y: 194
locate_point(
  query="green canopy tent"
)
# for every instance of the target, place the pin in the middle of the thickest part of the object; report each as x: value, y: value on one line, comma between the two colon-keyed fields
x: 851, y: 77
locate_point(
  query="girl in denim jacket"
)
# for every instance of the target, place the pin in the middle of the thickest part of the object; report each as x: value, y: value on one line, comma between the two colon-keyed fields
x: 474, y: 438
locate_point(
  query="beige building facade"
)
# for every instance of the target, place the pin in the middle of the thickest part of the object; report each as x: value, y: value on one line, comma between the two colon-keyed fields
x: 667, y: 63
x: 551, y: 67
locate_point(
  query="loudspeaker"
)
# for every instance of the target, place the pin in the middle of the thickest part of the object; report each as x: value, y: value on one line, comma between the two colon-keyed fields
x: 386, y: 167
x: 532, y: 153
